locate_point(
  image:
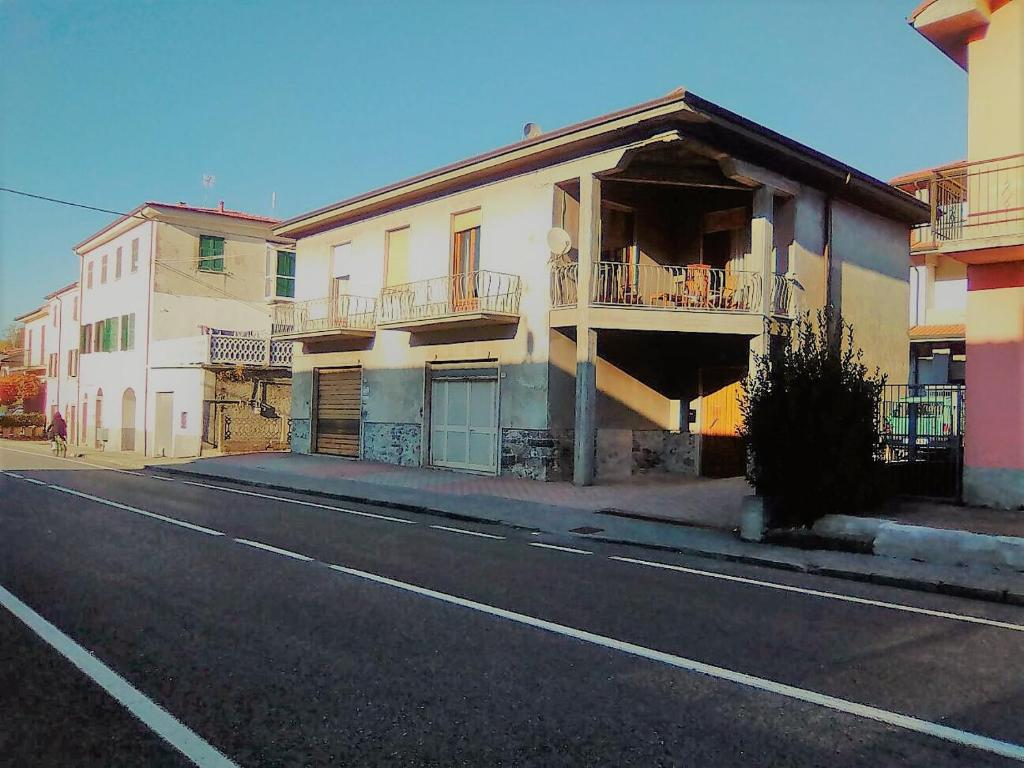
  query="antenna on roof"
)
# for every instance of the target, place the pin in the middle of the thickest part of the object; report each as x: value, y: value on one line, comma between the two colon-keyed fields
x: 273, y: 201
x: 208, y: 181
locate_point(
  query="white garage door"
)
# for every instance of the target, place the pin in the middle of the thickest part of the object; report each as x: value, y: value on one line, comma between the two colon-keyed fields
x: 464, y: 423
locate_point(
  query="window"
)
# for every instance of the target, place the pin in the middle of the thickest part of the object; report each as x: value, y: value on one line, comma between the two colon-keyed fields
x: 74, y: 308
x: 28, y: 349
x: 103, y: 268
x: 110, y: 334
x: 42, y: 343
x: 85, y: 338
x: 211, y: 253
x: 117, y: 264
x: 128, y: 332
x: 55, y: 313
x: 52, y: 362
x: 396, y: 257
x: 97, y: 336
x: 135, y: 255
x: 88, y: 275
x: 280, y: 275
x: 465, y: 258
x: 72, y: 363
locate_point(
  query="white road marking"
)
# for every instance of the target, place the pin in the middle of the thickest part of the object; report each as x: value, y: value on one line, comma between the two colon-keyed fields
x: 75, y: 461
x: 467, y: 532
x: 155, y: 717
x: 275, y: 550
x: 827, y: 595
x: 240, y: 492
x: 33, y: 480
x: 966, y: 738
x: 560, y: 549
x: 12, y: 474
x: 136, y: 510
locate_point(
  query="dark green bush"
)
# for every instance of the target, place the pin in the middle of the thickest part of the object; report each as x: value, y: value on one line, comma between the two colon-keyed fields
x: 810, y: 424
x: 23, y: 420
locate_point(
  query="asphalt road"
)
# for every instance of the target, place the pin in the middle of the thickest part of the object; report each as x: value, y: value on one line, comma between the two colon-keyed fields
x: 377, y: 637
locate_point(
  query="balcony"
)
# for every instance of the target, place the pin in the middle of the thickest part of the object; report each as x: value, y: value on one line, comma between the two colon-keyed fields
x: 318, y: 318
x: 218, y: 349
x: 693, y: 290
x: 441, y: 303
x: 973, y: 205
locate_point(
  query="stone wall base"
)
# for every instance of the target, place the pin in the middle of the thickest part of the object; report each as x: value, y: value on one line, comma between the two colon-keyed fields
x: 537, y: 454
x: 392, y: 443
x: 623, y: 453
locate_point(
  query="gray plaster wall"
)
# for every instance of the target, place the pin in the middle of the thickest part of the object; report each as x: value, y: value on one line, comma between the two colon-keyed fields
x: 302, y: 407
x: 392, y: 443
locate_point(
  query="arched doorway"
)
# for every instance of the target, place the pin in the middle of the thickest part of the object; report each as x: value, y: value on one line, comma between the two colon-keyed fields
x: 128, y: 420
x: 98, y: 419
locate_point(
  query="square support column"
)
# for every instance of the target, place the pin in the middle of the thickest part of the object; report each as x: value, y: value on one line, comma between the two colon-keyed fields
x: 585, y: 434
x: 762, y: 252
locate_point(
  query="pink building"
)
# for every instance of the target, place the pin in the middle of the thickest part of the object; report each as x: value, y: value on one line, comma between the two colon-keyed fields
x: 971, y: 252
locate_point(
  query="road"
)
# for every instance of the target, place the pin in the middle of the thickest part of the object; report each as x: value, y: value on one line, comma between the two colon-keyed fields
x: 153, y: 622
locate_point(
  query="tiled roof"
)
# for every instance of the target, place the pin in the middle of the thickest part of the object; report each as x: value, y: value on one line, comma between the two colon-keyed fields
x: 948, y: 331
x: 217, y: 211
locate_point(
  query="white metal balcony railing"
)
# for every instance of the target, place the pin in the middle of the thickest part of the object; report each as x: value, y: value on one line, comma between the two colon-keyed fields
x: 970, y: 201
x: 451, y: 295
x: 326, y: 314
x: 688, y: 287
x: 249, y: 350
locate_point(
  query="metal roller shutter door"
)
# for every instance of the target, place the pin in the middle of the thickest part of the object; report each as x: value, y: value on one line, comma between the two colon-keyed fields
x: 337, y: 411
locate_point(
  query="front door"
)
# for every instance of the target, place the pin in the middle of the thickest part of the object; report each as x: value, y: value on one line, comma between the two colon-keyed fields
x: 338, y: 399
x: 722, y: 452
x: 163, y: 444
x: 464, y: 423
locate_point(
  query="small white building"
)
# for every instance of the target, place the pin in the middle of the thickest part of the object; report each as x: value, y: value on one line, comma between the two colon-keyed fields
x: 168, y: 294
x: 61, y: 354
x: 35, y: 327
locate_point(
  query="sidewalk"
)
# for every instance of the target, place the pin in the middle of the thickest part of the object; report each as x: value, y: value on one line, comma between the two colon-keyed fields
x: 701, y: 515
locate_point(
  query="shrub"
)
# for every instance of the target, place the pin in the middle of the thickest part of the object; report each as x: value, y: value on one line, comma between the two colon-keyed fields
x: 810, y: 423
x: 23, y: 420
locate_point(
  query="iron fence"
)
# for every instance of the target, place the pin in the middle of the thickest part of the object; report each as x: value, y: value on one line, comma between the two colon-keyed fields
x: 325, y: 314
x: 922, y: 428
x: 461, y: 293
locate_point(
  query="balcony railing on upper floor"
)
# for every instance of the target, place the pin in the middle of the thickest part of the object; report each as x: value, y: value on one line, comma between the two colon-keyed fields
x: 970, y: 201
x: 249, y: 350
x: 339, y: 313
x: 693, y: 287
x: 494, y: 294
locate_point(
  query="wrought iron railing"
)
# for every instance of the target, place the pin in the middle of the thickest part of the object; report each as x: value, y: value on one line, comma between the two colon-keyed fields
x: 783, y: 296
x: 439, y: 297
x: 249, y: 350
x: 563, y: 285
x: 692, y: 287
x: 969, y: 201
x: 326, y: 314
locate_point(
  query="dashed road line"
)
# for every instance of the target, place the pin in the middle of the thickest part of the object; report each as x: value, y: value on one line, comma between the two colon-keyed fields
x: 467, y: 532
x: 573, y: 550
x: 275, y: 550
x: 15, y: 475
x: 136, y: 510
x: 75, y: 461
x: 946, y: 733
x: 155, y: 717
x: 822, y: 593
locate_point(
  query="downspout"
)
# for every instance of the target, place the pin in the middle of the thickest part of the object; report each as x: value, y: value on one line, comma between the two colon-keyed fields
x: 60, y: 337
x: 149, y: 333
x: 835, y: 313
x: 78, y: 377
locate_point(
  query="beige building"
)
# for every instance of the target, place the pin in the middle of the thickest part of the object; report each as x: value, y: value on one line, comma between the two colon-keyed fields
x: 170, y: 295
x: 969, y: 255
x: 583, y: 303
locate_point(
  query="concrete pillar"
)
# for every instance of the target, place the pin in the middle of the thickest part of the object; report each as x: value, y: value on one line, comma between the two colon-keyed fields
x: 585, y: 436
x: 762, y: 241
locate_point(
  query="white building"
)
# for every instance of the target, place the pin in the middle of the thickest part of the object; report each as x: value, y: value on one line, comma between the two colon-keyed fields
x: 168, y: 293
x: 35, y: 328
x: 62, y: 354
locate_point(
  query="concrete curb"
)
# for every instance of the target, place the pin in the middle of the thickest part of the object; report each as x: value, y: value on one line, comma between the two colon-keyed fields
x: 1003, y: 596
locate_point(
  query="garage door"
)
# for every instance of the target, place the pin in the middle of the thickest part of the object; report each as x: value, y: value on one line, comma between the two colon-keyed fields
x: 464, y: 423
x: 337, y: 411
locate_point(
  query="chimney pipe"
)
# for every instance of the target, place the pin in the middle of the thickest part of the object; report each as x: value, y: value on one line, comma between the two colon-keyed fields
x: 220, y: 206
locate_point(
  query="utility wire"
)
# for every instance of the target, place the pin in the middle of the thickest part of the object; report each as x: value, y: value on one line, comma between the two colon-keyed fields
x: 167, y: 263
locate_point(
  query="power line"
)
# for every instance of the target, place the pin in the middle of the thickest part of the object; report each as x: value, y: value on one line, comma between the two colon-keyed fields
x: 73, y: 205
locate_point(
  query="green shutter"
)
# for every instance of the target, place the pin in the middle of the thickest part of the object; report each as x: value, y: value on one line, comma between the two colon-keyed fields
x: 131, y: 331
x: 81, y: 337
x: 124, y: 332
x: 211, y: 253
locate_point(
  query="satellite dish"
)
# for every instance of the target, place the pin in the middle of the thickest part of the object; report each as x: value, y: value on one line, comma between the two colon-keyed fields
x: 559, y: 241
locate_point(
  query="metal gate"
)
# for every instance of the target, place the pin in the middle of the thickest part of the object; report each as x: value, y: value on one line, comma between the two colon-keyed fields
x: 922, y: 430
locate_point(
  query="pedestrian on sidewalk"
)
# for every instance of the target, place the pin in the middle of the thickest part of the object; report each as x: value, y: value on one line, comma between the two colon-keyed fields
x: 57, y: 432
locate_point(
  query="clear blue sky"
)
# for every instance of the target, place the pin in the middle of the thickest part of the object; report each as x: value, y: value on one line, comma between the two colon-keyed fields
x: 112, y: 103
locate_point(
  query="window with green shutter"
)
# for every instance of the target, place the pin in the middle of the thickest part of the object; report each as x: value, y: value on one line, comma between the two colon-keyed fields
x: 124, y: 333
x: 286, y: 274
x: 110, y: 334
x: 131, y: 331
x: 211, y: 253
